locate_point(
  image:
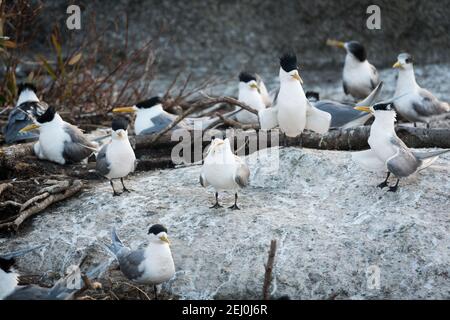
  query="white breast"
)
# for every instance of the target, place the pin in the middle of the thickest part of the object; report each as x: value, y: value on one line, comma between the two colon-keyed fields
x: 158, y: 265
x: 357, y: 74
x: 51, y: 142
x: 121, y: 157
x: 8, y: 283
x: 219, y: 170
x: 291, y: 105
x: 253, y: 99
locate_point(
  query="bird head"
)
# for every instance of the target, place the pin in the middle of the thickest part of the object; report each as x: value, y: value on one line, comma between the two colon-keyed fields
x: 312, y: 96
x: 143, y: 105
x: 378, y: 108
x: 46, y: 118
x: 404, y: 61
x: 354, y: 48
x: 289, y: 68
x: 248, y: 81
x: 158, y: 234
x: 119, y: 128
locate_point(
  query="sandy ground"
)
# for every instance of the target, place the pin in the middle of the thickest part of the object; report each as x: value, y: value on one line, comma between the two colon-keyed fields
x: 332, y: 224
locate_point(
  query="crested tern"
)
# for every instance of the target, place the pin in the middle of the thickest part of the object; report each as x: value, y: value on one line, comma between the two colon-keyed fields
x: 292, y: 111
x: 387, y: 152
x: 360, y: 77
x: 224, y: 171
x: 344, y: 115
x: 250, y: 93
x: 59, y: 141
x: 414, y: 103
x: 150, y: 266
x: 116, y: 159
x: 27, y: 104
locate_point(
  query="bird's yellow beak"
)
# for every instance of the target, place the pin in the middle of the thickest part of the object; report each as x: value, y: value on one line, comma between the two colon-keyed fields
x: 124, y: 110
x: 396, y: 65
x: 296, y: 76
x: 254, y: 86
x: 363, y: 108
x: 165, y: 239
x: 335, y: 43
x: 29, y: 127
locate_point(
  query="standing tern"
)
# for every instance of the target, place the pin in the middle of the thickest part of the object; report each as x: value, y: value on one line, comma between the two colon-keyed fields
x: 292, y: 111
x: 344, y: 115
x: 360, y: 77
x: 59, y: 141
x: 414, y: 103
x: 27, y: 104
x: 224, y: 171
x: 116, y: 159
x: 250, y: 94
x: 150, y: 266
x: 387, y: 152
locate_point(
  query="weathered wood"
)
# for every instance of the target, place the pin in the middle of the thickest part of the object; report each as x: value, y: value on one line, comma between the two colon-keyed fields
x: 269, y: 270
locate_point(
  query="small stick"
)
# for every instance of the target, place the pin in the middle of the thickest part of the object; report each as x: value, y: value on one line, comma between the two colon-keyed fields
x: 269, y: 269
x: 5, y: 186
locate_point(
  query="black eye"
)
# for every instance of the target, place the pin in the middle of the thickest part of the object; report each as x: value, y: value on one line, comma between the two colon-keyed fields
x: 408, y: 60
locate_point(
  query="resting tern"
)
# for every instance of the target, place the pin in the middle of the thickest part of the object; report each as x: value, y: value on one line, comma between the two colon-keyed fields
x: 387, y: 152
x: 223, y: 170
x: 414, y: 103
x: 360, y: 77
x: 116, y: 159
x: 250, y: 94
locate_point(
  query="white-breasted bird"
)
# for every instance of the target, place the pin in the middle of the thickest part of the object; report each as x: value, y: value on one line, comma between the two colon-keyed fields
x: 412, y: 102
x: 59, y: 141
x: 224, y: 171
x: 250, y: 94
x: 292, y: 111
x: 152, y: 265
x: 360, y: 77
x: 151, y: 118
x: 116, y: 159
x: 28, y: 106
x: 387, y: 152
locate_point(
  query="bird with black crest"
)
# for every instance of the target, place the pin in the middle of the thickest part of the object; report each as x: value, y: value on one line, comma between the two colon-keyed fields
x: 59, y: 141
x: 28, y: 106
x: 250, y: 94
x: 360, y: 77
x: 116, y: 159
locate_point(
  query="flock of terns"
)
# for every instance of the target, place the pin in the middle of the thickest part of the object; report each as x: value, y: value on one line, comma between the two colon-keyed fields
x: 289, y: 108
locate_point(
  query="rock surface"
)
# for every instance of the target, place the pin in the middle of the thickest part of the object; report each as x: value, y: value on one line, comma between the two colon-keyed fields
x: 331, y: 221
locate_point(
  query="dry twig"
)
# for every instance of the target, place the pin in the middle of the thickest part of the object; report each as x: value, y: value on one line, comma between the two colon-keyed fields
x: 269, y: 270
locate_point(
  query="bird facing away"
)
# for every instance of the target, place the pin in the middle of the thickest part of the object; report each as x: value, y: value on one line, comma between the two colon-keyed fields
x: 151, y: 118
x: 387, y: 152
x: 250, y: 94
x: 116, y: 159
x: 224, y: 171
x: 292, y: 111
x: 344, y: 115
x: 59, y: 141
x: 411, y: 101
x: 360, y: 77
x: 150, y: 266
x: 27, y: 104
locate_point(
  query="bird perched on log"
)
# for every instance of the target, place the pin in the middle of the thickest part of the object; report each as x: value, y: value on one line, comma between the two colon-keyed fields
x: 412, y: 102
x: 28, y: 105
x: 360, y: 77
x: 150, y: 266
x: 224, y: 171
x: 344, y: 115
x: 152, y: 118
x: 116, y: 159
x: 292, y: 111
x: 250, y: 94
x: 59, y: 141
x: 387, y: 152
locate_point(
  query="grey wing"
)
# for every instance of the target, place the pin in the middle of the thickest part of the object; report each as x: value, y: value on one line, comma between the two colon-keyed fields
x: 428, y: 105
x: 403, y: 163
x: 129, y: 264
x: 242, y: 176
x: 78, y: 148
x: 160, y: 122
x: 341, y: 114
x: 102, y: 164
x: 30, y: 292
x: 203, y: 181
x: 375, y: 78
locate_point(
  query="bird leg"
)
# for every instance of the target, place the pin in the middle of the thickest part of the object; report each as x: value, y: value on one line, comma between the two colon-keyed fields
x: 115, y: 194
x: 235, y: 207
x: 394, y: 188
x: 384, y: 184
x: 216, y: 205
x: 156, y: 292
x: 124, y: 188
